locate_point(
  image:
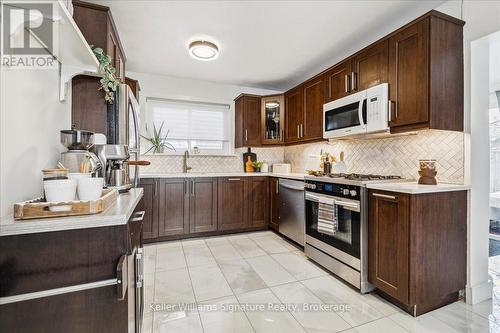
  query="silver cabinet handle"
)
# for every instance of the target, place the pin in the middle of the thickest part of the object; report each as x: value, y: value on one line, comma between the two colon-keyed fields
x: 277, y: 187
x: 298, y: 131
x: 385, y: 196
x: 138, y: 216
x: 346, y: 83
x: 233, y: 179
x: 246, y: 135
x: 301, y: 130
x: 354, y: 83
x: 389, y: 111
x: 192, y: 188
x: 282, y: 136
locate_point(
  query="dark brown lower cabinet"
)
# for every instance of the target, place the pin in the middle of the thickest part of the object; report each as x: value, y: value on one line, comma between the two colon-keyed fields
x: 173, y: 207
x: 39, y: 262
x: 232, y: 205
x: 187, y: 207
x: 150, y: 205
x: 418, y: 247
x: 258, y: 201
x: 203, y: 205
x: 274, y: 203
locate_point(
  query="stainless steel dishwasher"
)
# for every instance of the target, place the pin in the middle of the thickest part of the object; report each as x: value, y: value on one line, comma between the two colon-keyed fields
x: 291, y: 212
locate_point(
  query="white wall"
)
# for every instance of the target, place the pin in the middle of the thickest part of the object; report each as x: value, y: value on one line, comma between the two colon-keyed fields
x: 160, y: 86
x: 482, y: 18
x: 31, y: 117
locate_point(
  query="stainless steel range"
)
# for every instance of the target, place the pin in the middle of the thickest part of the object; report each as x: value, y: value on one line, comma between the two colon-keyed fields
x: 340, y: 243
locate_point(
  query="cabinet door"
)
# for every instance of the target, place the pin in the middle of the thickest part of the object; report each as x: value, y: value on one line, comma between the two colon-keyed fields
x: 232, y: 204
x: 150, y: 206
x: 203, y: 204
x: 337, y: 82
x: 408, y: 75
x: 239, y: 130
x: 313, y: 110
x: 252, y: 121
x: 370, y: 67
x: 388, y: 243
x: 173, y: 207
x: 258, y: 202
x: 274, y: 203
x: 294, y: 114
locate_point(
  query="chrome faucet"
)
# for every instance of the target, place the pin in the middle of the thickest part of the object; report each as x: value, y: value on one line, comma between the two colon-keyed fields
x: 185, y: 167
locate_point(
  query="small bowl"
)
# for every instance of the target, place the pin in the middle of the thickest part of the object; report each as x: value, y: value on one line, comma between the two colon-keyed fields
x: 90, y: 188
x: 427, y: 164
x: 60, y: 190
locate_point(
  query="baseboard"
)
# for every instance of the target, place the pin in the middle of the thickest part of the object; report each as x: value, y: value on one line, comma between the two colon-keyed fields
x: 478, y: 293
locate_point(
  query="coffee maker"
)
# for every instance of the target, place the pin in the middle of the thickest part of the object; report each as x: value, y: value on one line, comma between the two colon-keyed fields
x: 78, y: 158
x: 115, y: 159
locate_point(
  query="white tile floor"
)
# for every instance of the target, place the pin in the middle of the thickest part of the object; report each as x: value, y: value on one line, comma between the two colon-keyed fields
x: 258, y: 282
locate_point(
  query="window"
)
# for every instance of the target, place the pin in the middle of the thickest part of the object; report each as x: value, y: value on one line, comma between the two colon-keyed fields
x: 192, y: 126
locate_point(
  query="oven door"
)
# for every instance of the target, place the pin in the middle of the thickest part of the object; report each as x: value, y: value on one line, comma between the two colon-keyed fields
x: 345, y: 116
x: 347, y: 238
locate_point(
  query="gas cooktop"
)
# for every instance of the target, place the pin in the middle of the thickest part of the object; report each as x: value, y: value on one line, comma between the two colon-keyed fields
x: 355, y: 178
x: 362, y: 177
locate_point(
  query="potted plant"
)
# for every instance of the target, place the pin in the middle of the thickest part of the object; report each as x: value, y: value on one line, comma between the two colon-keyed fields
x: 257, y: 165
x: 109, y: 82
x: 158, y: 141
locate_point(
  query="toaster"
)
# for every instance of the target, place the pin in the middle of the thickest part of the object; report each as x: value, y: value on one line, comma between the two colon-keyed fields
x: 282, y: 168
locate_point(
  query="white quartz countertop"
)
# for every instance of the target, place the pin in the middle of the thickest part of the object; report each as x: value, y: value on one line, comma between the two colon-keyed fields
x: 415, y: 188
x: 298, y: 176
x: 117, y: 214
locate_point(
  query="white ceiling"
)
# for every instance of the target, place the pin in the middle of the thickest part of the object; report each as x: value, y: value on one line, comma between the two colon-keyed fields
x: 265, y: 44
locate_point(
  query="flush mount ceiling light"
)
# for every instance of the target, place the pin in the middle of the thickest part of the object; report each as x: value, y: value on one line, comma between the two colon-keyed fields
x: 203, y: 50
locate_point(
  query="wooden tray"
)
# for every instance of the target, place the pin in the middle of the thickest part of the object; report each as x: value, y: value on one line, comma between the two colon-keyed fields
x: 37, y: 208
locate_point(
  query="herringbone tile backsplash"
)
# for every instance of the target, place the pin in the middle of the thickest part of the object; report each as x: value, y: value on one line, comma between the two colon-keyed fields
x: 392, y: 156
x: 388, y: 156
x: 167, y: 164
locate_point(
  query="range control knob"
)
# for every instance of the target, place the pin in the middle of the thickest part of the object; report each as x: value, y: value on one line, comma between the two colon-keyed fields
x: 313, y: 186
x: 353, y: 193
x: 345, y: 191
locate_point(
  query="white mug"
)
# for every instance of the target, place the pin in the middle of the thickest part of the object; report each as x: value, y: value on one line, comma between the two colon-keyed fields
x: 59, y: 190
x: 90, y: 188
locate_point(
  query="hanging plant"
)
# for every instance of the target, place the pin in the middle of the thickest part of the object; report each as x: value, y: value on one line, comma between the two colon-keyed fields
x: 109, y: 82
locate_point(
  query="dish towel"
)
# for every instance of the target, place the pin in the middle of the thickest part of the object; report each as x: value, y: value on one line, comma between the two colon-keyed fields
x: 327, y: 216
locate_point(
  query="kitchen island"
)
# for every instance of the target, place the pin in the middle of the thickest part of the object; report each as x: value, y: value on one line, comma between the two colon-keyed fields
x: 73, y: 274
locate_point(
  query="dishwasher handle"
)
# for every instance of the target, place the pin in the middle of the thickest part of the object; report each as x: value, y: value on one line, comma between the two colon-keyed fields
x: 291, y: 187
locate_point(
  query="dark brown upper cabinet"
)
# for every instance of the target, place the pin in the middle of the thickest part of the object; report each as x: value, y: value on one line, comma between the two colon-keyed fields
x: 294, y: 114
x: 273, y: 119
x: 247, y: 121
x: 337, y: 81
x: 98, y: 27
x: 89, y: 111
x: 134, y: 86
x: 426, y: 75
x: 312, y: 127
x: 369, y: 67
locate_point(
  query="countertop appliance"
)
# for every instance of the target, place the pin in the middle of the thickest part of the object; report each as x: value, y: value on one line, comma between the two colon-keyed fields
x: 115, y: 161
x: 345, y: 252
x: 282, y: 168
x: 361, y: 113
x: 291, y: 210
x: 78, y: 142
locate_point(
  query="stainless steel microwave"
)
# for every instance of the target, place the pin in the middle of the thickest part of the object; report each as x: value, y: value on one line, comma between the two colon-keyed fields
x: 361, y: 113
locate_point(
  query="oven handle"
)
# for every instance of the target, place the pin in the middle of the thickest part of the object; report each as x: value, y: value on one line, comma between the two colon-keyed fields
x: 350, y: 205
